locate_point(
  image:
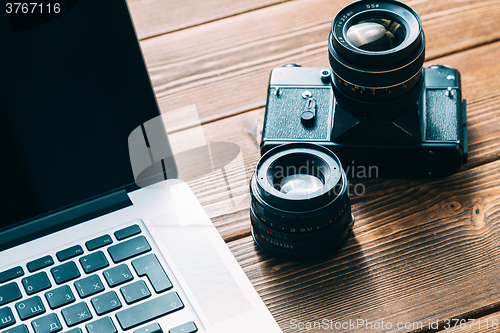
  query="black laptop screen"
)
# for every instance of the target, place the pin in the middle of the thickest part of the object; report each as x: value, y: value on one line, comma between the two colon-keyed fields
x: 72, y: 88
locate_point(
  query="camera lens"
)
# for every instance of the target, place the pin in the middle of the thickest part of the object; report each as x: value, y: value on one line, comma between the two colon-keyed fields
x: 376, y: 34
x: 376, y: 52
x: 300, y: 207
x: 298, y: 185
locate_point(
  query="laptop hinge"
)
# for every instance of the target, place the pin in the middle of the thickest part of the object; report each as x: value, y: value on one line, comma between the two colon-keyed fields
x: 63, y: 219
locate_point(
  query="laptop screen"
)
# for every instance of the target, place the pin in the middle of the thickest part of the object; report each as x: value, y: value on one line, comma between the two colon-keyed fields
x: 72, y: 89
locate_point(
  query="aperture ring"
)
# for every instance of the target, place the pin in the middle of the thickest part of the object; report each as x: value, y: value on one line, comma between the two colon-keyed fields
x: 385, y: 77
x: 341, y: 222
x: 299, y: 251
x: 376, y: 94
x: 301, y: 223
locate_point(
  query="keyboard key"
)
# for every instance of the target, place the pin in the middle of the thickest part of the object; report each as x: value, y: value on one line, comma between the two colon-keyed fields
x: 128, y: 249
x: 47, y: 324
x: 59, y: 297
x: 35, y: 283
x: 8, y: 293
x: 94, y: 262
x: 6, y: 317
x: 103, y: 325
x: 98, y: 242
x: 152, y: 328
x: 69, y: 253
x: 135, y: 291
x: 149, y: 310
x: 65, y: 272
x: 127, y: 232
x: 106, y: 302
x: 76, y: 314
x: 151, y: 267
x: 18, y: 329
x: 40, y: 263
x: 74, y: 330
x: 117, y: 275
x: 30, y: 307
x: 185, y: 328
x: 11, y: 274
x: 89, y: 286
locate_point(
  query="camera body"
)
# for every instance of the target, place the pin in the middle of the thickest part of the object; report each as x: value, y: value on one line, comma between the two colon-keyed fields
x: 428, y: 138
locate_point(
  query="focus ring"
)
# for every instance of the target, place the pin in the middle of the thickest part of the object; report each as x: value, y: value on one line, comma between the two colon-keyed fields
x: 376, y: 78
x: 341, y: 221
x: 301, y: 222
x: 299, y: 251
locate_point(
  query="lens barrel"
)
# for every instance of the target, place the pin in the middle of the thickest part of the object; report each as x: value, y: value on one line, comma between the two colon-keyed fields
x: 376, y: 52
x: 310, y: 222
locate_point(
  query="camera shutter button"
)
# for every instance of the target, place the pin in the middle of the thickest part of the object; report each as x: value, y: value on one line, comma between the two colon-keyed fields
x: 308, y: 114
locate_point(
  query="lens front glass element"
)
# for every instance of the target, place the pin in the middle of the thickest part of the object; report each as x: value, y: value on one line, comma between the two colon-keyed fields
x: 376, y: 34
x: 300, y: 184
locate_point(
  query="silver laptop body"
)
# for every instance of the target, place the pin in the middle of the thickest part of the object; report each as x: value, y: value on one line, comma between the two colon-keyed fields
x: 85, y: 245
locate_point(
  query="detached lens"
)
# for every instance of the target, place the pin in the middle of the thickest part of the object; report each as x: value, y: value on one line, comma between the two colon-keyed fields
x: 300, y: 206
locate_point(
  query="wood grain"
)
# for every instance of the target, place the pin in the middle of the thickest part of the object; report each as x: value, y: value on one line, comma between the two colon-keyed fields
x: 422, y: 249
x: 154, y: 18
x: 244, y: 130
x: 223, y: 67
x: 402, y: 265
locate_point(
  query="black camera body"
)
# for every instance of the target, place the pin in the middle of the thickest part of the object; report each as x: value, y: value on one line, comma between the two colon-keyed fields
x: 428, y: 139
x: 375, y: 106
x: 375, y: 112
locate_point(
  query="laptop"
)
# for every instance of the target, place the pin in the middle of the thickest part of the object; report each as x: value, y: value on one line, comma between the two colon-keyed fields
x: 97, y: 235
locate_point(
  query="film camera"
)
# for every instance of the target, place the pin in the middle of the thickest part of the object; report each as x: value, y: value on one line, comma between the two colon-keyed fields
x: 375, y: 106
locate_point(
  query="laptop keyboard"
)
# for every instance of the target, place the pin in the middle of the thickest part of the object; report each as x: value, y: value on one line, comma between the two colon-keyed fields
x: 91, y: 288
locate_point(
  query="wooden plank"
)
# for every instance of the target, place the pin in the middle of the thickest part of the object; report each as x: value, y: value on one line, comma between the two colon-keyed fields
x: 403, y: 264
x: 210, y: 187
x: 244, y: 130
x: 423, y: 250
x: 157, y: 17
x: 223, y: 67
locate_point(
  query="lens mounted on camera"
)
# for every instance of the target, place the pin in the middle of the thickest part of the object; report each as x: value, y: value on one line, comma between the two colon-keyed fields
x: 376, y: 52
x: 378, y: 35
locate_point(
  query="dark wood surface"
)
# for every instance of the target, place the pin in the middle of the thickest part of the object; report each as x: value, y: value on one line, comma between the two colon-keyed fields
x: 422, y: 250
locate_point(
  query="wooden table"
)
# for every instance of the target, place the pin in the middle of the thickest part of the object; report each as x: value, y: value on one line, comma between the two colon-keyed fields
x: 422, y: 251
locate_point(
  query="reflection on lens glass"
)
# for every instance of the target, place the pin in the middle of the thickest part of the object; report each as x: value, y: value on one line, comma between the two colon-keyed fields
x: 300, y: 184
x: 376, y: 34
